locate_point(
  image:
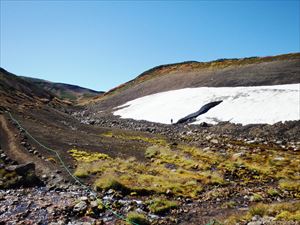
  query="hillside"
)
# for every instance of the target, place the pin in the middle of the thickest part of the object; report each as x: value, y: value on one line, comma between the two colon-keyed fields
x: 15, y: 91
x: 65, y: 91
x: 254, y: 71
x: 60, y: 165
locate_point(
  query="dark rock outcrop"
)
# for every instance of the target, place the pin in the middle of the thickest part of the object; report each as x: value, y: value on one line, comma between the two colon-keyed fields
x: 22, y: 169
x: 20, y: 175
x: 201, y: 111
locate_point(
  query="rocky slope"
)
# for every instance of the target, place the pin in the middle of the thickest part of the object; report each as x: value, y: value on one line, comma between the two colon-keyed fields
x: 64, y: 202
x: 254, y: 71
x: 18, y: 93
x: 65, y: 91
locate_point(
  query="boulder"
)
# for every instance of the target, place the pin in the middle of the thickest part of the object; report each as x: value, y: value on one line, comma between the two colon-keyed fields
x: 26, y: 175
x: 80, y: 207
x: 22, y: 169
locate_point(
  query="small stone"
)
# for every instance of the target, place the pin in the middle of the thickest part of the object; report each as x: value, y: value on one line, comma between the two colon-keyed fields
x: 94, y: 204
x: 237, y: 155
x: 138, y: 202
x: 246, y: 197
x: 214, y: 141
x: 107, y: 219
x: 256, y: 218
x: 110, y: 191
x: 279, y: 158
x: 83, y: 198
x: 208, y: 137
x: 153, y: 217
x: 80, y: 207
x: 60, y: 222
x: 168, y: 192
x: 255, y: 223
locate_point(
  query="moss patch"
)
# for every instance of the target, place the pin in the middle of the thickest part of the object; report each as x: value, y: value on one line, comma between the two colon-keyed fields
x: 281, y: 211
x: 137, y: 218
x: 87, y: 157
x: 161, y: 206
x: 184, y: 170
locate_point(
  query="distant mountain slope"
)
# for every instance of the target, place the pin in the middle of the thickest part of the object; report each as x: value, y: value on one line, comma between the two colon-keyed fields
x: 14, y: 90
x: 253, y: 71
x: 65, y: 91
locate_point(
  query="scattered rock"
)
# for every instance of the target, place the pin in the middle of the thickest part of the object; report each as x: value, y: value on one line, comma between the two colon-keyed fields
x: 80, y: 207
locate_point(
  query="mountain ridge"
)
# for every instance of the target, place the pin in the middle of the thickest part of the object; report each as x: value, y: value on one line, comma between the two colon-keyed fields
x: 218, y: 63
x: 65, y: 91
x: 251, y: 71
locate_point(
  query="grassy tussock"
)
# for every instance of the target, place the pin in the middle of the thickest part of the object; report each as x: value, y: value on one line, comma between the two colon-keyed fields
x: 186, y: 170
x: 87, y: 157
x: 290, y: 185
x: 137, y: 218
x: 161, y: 206
x: 134, y: 137
x: 8, y: 179
x: 281, y: 211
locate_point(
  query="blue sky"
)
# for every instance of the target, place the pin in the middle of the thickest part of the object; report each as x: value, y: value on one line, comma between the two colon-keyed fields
x: 99, y: 45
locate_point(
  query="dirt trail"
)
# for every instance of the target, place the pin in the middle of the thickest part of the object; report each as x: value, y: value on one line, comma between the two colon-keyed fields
x: 16, y: 153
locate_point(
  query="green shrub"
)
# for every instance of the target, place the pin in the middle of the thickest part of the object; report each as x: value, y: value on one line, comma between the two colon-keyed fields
x: 259, y: 210
x: 137, y: 218
x: 256, y: 197
x: 161, y: 206
x: 152, y: 152
x: 290, y: 185
x: 273, y: 192
x: 110, y: 181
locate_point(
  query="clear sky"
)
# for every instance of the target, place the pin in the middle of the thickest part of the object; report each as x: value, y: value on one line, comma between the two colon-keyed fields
x: 99, y: 45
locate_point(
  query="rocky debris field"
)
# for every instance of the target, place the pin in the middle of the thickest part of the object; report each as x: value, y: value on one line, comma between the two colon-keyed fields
x: 279, y: 133
x: 245, y: 195
x: 71, y: 206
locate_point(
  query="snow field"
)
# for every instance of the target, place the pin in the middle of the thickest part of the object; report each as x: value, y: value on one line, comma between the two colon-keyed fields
x: 245, y: 105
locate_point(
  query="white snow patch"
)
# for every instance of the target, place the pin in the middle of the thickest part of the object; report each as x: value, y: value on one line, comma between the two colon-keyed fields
x: 246, y: 105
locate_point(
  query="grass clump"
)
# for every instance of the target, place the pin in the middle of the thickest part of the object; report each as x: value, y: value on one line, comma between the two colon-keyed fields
x: 290, y: 185
x: 184, y: 170
x: 87, y: 157
x: 161, y: 206
x: 81, y: 173
x: 137, y: 218
x: 8, y: 179
x: 110, y: 181
x: 229, y: 205
x: 136, y: 137
x: 289, y: 211
x: 256, y: 197
x: 273, y: 192
x: 259, y: 209
x: 151, y: 152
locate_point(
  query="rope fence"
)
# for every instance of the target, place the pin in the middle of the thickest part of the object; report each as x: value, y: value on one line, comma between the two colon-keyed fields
x: 116, y: 214
x: 119, y: 216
